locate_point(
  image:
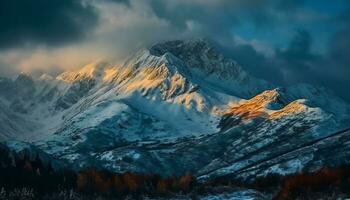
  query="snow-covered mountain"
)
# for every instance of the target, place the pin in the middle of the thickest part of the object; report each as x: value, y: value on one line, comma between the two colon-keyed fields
x: 178, y: 106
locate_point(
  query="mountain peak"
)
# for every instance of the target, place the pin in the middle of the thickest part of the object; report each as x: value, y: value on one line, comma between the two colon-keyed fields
x: 203, y: 62
x: 196, y: 53
x: 200, y: 55
x: 178, y: 47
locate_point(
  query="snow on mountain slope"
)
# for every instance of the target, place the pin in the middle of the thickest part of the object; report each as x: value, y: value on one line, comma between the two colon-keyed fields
x: 235, y: 148
x: 239, y: 194
x: 269, y: 105
x: 12, y: 123
x: 96, y: 70
x: 207, y: 64
x: 146, y: 87
x: 179, y: 106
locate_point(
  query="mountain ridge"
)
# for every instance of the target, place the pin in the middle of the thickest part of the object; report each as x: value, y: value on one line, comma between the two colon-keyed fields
x: 178, y: 99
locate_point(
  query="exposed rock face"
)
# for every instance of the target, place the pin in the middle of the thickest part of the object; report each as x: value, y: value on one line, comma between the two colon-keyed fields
x: 179, y: 106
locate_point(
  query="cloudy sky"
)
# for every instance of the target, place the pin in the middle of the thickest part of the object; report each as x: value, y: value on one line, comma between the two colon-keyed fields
x: 283, y: 41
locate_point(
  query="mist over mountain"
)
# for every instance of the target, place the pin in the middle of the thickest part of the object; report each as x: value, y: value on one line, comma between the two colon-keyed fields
x: 286, y: 43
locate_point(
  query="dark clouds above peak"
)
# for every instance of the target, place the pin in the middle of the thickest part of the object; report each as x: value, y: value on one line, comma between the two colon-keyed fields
x: 218, y: 18
x: 299, y: 63
x: 285, y: 42
x: 44, y: 22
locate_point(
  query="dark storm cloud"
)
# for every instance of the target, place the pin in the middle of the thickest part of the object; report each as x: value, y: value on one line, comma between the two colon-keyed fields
x: 291, y: 30
x: 253, y: 61
x: 217, y: 18
x: 284, y: 66
x: 125, y: 2
x: 299, y: 47
x: 299, y: 64
x: 46, y: 22
x: 339, y: 58
x: 296, y: 63
x: 331, y: 69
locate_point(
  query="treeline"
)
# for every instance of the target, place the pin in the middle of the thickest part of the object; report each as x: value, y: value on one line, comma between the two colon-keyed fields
x: 95, y: 182
x: 326, y: 181
x: 23, y: 172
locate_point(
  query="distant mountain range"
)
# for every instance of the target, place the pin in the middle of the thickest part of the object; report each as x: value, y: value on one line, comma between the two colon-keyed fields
x: 177, y: 107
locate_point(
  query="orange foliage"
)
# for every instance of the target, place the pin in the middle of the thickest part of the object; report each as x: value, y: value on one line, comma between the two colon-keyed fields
x: 118, y: 183
x: 322, y: 178
x: 92, y: 181
x: 132, y: 181
x: 186, y: 181
x: 162, y: 187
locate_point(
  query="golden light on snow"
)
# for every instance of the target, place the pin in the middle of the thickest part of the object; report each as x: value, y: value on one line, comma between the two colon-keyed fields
x: 257, y: 107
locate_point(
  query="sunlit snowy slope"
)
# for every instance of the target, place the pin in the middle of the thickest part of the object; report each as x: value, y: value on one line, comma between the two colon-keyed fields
x: 178, y: 106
